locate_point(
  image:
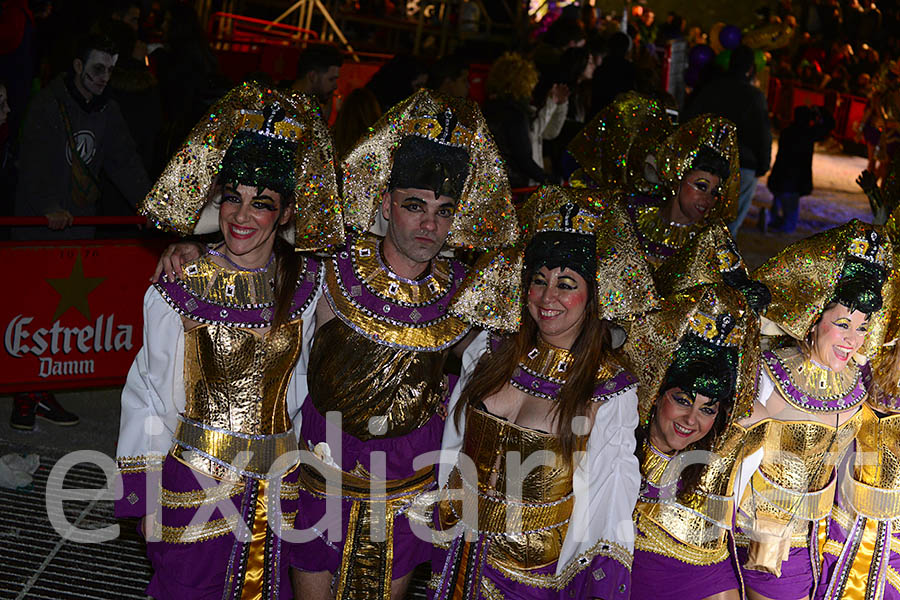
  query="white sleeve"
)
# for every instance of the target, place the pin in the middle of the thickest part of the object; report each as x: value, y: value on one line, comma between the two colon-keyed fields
x: 297, y: 387
x: 751, y: 462
x: 451, y: 443
x: 606, y: 483
x: 153, y: 395
x: 557, y: 120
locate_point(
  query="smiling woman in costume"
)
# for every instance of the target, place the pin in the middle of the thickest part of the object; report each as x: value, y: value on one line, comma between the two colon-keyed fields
x: 698, y: 173
x: 824, y: 289
x: 697, y: 360
x: 860, y: 557
x: 221, y: 344
x: 551, y: 394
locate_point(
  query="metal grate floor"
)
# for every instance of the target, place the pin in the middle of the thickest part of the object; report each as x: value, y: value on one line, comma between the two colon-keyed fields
x: 36, y: 563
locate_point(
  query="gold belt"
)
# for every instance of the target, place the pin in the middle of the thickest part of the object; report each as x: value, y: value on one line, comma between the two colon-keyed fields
x: 359, y: 486
x: 701, y: 527
x: 810, y: 506
x: 869, y: 501
x: 223, y: 447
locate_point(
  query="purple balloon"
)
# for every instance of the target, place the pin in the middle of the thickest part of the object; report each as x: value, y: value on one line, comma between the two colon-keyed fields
x: 701, y: 55
x: 730, y: 37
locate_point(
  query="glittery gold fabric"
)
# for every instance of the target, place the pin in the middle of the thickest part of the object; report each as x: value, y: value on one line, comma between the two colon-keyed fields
x: 624, y: 282
x: 884, y: 325
x: 810, y: 378
x: 649, y: 222
x: 803, y: 277
x: 877, y: 493
x: 653, y: 339
x: 704, y: 259
x: 225, y: 287
x: 186, y: 184
x: 677, y: 152
x: 697, y: 522
x: 530, y: 530
x: 403, y: 387
x: 485, y: 217
x: 612, y: 149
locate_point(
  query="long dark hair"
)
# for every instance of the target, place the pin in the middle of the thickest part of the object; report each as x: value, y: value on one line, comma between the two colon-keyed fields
x: 592, y: 348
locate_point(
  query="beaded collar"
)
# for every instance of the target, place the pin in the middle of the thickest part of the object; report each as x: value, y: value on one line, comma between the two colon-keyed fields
x: 209, y: 293
x: 653, y: 466
x: 542, y: 373
x: 391, y: 310
x: 811, y: 387
x: 660, y: 240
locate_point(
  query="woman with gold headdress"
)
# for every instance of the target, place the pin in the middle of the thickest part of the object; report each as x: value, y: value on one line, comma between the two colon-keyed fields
x: 825, y: 289
x: 206, y: 443
x: 699, y: 179
x: 539, y: 476
x: 861, y: 558
x: 697, y: 360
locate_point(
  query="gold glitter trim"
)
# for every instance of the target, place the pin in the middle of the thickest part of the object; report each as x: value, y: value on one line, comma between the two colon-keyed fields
x: 654, y: 337
x: 803, y: 277
x: 490, y: 297
x: 892, y: 576
x: 832, y: 547
x: 819, y: 382
x: 178, y: 196
x: 670, y: 235
x: 484, y: 218
x: 140, y: 464
x: 653, y: 538
x: 705, y: 259
x: 198, y: 533
x: 197, y: 498
x: 225, y: 287
x: 371, y: 269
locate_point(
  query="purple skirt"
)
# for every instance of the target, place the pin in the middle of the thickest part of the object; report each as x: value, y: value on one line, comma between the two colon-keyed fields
x: 658, y: 577
x: 207, y: 560
x: 797, y: 577
x: 323, y: 554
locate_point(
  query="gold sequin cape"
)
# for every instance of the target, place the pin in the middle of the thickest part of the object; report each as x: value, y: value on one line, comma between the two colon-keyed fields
x: 804, y: 276
x: 612, y: 149
x: 484, y: 217
x: 180, y: 195
x: 491, y: 297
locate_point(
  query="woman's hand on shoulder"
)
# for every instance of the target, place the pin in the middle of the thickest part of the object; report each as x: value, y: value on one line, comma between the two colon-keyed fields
x: 174, y: 257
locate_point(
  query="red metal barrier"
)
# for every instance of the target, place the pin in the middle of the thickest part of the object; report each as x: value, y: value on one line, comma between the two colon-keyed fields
x: 239, y: 29
x: 848, y: 109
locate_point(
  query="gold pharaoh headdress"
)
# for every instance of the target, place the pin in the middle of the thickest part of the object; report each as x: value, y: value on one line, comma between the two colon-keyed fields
x: 712, y: 322
x: 491, y: 296
x: 805, y: 276
x: 710, y: 257
x: 677, y: 152
x: 485, y: 217
x: 298, y: 139
x: 613, y: 147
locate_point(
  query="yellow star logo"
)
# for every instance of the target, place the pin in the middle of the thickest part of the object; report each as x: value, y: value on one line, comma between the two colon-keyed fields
x: 73, y: 290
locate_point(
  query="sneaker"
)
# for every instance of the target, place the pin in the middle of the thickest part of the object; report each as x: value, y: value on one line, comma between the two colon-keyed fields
x: 49, y: 409
x: 24, y: 406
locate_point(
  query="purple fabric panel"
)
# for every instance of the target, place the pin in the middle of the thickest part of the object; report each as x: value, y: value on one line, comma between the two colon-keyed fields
x: 657, y: 577
x: 136, y: 484
x: 603, y: 578
x: 796, y: 579
x: 399, y: 451
x: 319, y: 555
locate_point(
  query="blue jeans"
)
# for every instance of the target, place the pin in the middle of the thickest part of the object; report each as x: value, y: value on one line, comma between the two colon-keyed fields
x: 745, y: 198
x: 785, y: 207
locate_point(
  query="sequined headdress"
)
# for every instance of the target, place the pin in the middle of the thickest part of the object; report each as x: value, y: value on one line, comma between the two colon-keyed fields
x: 445, y: 133
x: 711, y: 257
x: 586, y: 230
x: 254, y: 136
x: 704, y: 340
x: 612, y: 149
x: 847, y: 264
x: 676, y: 155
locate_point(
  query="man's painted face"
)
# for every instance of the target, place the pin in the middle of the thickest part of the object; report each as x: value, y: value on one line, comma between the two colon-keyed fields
x: 94, y: 74
x: 418, y: 222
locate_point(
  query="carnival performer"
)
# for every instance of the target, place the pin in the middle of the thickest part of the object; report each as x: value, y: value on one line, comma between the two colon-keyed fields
x: 824, y: 289
x: 617, y: 148
x: 431, y: 171
x: 696, y: 359
x: 861, y: 558
x: 539, y: 442
x: 697, y: 166
x: 206, y: 447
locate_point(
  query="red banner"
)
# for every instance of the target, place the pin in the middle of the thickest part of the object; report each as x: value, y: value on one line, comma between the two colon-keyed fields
x: 72, y: 316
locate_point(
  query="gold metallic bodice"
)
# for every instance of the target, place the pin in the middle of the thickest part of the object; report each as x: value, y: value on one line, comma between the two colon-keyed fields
x: 363, y: 379
x: 670, y: 235
x: 699, y: 519
x: 538, y: 511
x: 880, y: 436
x: 236, y: 380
